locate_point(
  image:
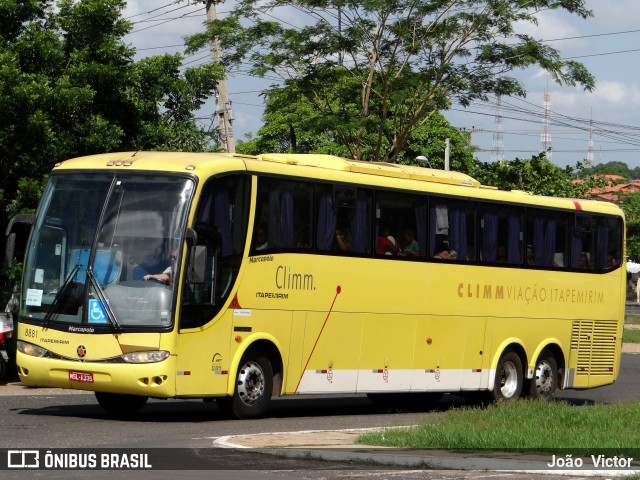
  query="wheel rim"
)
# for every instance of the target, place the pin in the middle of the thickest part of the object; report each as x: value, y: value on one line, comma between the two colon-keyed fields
x: 251, y: 383
x: 508, y: 380
x: 544, y: 378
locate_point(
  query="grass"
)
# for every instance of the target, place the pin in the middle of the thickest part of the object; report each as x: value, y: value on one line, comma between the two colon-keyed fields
x: 631, y: 336
x: 523, y: 425
x: 632, y: 319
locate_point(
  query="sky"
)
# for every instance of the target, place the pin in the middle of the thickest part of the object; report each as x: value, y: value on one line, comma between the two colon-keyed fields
x: 608, y: 44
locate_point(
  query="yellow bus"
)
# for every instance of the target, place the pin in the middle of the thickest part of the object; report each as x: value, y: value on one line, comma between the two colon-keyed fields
x: 239, y: 279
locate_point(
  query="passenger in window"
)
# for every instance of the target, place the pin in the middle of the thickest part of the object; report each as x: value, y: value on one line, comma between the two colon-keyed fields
x: 386, y: 244
x: 167, y: 275
x: 583, y: 262
x: 411, y: 247
x: 611, y: 262
x: 442, y: 251
x: 260, y: 238
x: 501, y: 254
x: 343, y: 240
x: 530, y: 259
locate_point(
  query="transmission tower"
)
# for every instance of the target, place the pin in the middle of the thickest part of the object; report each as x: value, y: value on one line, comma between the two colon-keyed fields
x: 497, y: 152
x: 224, y: 115
x: 590, y: 149
x: 545, y: 137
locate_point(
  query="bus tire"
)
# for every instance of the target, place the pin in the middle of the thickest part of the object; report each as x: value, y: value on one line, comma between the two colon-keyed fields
x: 254, y: 386
x: 544, y: 383
x: 509, y: 377
x: 119, y: 404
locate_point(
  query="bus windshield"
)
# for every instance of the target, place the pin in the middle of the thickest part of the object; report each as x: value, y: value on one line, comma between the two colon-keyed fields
x: 104, y: 249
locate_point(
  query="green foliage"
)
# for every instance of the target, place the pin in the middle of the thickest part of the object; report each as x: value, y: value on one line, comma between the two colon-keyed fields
x: 575, y: 428
x: 379, y: 77
x: 428, y: 141
x: 69, y: 86
x: 537, y: 175
x: 292, y: 124
x: 631, y: 335
x: 614, y: 168
x: 630, y: 204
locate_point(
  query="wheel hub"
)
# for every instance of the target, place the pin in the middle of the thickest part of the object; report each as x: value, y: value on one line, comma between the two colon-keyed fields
x: 543, y: 377
x: 509, y: 380
x: 251, y: 383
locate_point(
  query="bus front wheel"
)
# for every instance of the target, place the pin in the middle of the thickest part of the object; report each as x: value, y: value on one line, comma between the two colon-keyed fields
x: 509, y: 377
x: 545, y: 377
x: 119, y: 404
x: 254, y: 385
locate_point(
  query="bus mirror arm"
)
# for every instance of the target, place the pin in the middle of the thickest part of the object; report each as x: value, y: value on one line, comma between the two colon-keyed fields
x: 192, y: 236
x: 197, y: 263
x: 23, y: 218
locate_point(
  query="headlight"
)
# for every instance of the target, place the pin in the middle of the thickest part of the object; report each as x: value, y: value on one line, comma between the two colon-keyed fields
x: 151, y: 356
x: 31, y: 349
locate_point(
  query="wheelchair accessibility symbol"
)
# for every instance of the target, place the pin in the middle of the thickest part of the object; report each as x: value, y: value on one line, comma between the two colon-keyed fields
x: 96, y: 312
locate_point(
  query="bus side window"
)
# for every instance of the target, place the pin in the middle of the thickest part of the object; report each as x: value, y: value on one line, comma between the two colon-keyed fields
x: 609, y: 233
x: 400, y: 225
x: 583, y: 242
x: 284, y: 211
x: 501, y: 234
x: 547, y: 236
x: 452, y: 224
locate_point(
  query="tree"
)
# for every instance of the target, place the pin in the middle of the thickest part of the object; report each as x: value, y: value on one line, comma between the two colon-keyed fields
x: 630, y: 204
x: 376, y: 70
x: 537, y: 175
x: 69, y: 86
x: 429, y: 141
x: 292, y: 124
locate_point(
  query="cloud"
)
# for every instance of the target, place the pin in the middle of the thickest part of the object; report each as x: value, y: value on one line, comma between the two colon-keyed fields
x: 618, y: 15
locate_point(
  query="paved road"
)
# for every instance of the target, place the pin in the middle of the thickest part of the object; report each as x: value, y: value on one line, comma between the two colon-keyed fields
x: 49, y: 418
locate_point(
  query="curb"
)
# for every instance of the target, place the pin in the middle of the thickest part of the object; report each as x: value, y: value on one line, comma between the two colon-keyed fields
x: 339, y: 446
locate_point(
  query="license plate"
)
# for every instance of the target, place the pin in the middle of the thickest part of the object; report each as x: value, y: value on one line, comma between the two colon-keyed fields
x: 83, y: 377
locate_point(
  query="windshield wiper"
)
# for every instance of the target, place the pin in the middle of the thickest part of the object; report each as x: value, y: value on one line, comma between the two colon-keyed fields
x: 63, y: 293
x: 111, y: 316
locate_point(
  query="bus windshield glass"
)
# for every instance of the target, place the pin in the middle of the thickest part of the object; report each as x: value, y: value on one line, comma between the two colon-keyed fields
x: 104, y: 249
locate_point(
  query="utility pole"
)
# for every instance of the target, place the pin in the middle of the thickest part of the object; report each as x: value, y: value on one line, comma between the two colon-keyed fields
x: 589, y: 161
x: 468, y: 131
x: 224, y: 115
x: 446, y: 153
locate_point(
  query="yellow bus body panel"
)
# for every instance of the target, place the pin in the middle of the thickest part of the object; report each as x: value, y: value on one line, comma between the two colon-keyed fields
x: 346, y: 324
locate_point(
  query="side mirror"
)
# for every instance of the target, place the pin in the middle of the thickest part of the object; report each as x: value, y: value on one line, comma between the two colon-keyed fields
x: 196, y: 269
x: 9, y: 250
x: 25, y: 220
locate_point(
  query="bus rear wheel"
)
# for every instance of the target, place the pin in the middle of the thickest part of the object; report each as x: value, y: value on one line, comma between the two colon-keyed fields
x: 254, y: 385
x: 119, y: 404
x: 545, y: 377
x: 509, y: 377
